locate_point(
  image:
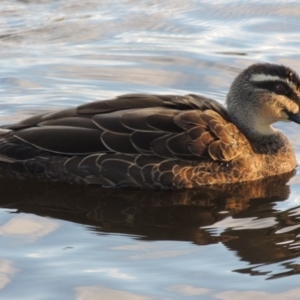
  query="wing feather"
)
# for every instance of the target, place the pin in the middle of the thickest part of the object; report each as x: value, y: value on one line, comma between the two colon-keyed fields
x: 118, y: 142
x: 144, y: 141
x: 62, y: 139
x: 177, y: 127
x: 70, y: 122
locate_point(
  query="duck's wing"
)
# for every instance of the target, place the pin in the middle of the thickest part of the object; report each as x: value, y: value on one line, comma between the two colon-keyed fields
x: 187, y: 127
x: 124, y: 102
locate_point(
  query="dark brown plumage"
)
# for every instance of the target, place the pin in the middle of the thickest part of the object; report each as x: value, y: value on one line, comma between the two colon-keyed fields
x: 161, y: 141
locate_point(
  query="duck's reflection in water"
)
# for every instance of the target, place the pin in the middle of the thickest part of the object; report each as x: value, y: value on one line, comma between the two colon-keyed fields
x: 251, y: 225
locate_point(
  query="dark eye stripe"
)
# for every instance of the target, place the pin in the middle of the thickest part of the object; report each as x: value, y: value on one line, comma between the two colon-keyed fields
x: 271, y: 86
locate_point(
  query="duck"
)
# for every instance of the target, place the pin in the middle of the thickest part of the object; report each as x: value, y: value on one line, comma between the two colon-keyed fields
x: 162, y: 141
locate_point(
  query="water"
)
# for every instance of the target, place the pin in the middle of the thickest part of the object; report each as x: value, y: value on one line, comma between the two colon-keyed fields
x: 66, y: 242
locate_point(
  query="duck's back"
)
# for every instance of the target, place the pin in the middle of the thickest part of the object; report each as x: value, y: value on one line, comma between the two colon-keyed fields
x: 133, y: 140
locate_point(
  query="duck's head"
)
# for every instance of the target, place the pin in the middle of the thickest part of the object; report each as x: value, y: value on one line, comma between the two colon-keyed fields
x: 262, y: 95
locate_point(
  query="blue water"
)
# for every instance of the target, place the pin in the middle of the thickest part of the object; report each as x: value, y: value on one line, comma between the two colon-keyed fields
x: 66, y: 242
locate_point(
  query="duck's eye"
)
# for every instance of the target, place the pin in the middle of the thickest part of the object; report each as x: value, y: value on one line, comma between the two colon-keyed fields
x: 280, y: 88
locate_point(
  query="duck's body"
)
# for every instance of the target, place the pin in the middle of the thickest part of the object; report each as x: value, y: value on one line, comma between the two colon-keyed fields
x: 158, y: 141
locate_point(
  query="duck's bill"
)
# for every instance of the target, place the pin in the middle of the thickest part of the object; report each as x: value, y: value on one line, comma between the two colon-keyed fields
x: 295, y: 117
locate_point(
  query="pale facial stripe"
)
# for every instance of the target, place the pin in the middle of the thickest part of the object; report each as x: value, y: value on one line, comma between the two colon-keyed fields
x: 266, y: 77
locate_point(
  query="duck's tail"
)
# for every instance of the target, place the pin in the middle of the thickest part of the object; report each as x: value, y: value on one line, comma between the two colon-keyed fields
x: 4, y: 131
x: 4, y: 158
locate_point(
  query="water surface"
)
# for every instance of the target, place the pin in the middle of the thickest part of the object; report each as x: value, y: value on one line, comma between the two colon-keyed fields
x: 69, y: 242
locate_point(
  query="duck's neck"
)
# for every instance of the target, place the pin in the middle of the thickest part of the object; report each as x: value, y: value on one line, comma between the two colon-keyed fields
x: 260, y: 134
